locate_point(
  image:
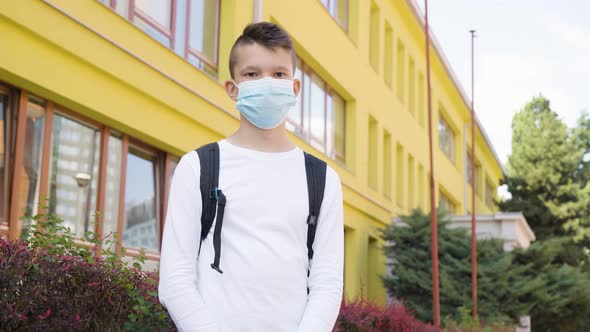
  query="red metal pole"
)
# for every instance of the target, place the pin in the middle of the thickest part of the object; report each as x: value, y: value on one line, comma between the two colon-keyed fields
x: 433, y: 221
x: 473, y: 179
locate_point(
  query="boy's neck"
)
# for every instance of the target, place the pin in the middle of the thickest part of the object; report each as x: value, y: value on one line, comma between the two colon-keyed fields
x: 250, y: 137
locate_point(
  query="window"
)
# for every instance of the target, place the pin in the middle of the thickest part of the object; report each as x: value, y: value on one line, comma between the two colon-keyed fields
x: 338, y: 129
x: 73, y: 176
x: 428, y: 192
x: 346, y: 236
x: 421, y: 184
x: 421, y: 101
x: 399, y: 175
x: 374, y: 283
x: 349, y: 244
x: 373, y: 132
x: 412, y: 88
x: 319, y: 117
x: 400, y: 69
x: 159, y: 12
x: 468, y: 168
x: 387, y: 164
x: 155, y: 18
x: 140, y: 223
x: 374, y: 37
x: 338, y: 9
x: 317, y: 111
x: 469, y: 175
x: 121, y: 7
x: 202, y: 34
x: 446, y: 204
x: 62, y: 160
x: 189, y: 27
x: 478, y: 179
x: 411, y: 182
x: 446, y: 139
x: 5, y: 107
x: 173, y: 163
x: 113, y: 186
x: 295, y: 116
x: 388, y: 55
x: 30, y: 173
x: 490, y: 195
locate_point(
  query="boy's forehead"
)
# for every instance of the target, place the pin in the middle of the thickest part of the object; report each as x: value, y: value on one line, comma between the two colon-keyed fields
x: 258, y: 56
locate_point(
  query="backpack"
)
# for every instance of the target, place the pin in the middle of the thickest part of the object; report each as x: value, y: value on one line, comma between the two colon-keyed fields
x: 214, y: 200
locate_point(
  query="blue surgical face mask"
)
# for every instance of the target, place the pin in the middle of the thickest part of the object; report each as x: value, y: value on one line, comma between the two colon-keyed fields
x: 265, y: 102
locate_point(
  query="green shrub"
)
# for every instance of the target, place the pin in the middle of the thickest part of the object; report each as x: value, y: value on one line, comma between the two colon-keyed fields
x: 50, y: 282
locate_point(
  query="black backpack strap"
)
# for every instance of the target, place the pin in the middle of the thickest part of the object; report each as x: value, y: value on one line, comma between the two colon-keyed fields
x: 315, y: 170
x: 212, y: 198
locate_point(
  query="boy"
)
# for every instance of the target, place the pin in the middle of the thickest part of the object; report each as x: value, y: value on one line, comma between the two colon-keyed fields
x: 261, y: 282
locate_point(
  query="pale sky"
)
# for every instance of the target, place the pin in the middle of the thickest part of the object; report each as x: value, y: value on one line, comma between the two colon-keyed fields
x: 523, y: 48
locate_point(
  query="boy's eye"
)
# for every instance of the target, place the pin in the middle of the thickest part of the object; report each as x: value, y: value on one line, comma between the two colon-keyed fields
x: 280, y: 75
x: 251, y: 74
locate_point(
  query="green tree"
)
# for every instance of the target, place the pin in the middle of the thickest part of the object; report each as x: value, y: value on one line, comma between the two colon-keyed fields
x: 548, y: 174
x: 410, y: 280
x: 549, y: 182
x: 560, y: 298
x: 532, y: 281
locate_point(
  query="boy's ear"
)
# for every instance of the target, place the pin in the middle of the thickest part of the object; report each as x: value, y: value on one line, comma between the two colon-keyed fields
x: 296, y: 86
x: 232, y: 90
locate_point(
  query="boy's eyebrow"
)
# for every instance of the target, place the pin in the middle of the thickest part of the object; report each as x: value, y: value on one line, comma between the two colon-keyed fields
x: 254, y: 68
x: 249, y: 67
x: 284, y: 68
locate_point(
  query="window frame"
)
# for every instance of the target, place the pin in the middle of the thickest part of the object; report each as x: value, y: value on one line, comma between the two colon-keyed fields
x: 304, y: 131
x: 421, y: 99
x: 54, y: 110
x: 343, y: 26
x: 136, y: 12
x: 188, y: 51
x: 388, y: 57
x: 444, y: 197
x: 412, y: 86
x: 14, y: 224
x: 298, y: 128
x: 400, y: 53
x: 171, y: 33
x: 399, y: 175
x: 474, y: 177
x: 337, y: 156
x: 411, y: 182
x: 311, y: 138
x: 141, y: 148
x: 9, y: 138
x: 162, y: 163
x: 452, y: 156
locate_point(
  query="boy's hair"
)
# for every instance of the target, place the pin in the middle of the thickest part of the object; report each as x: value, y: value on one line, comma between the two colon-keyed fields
x: 266, y: 34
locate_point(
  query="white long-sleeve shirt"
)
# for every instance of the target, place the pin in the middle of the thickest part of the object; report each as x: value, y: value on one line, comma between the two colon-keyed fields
x: 263, y: 247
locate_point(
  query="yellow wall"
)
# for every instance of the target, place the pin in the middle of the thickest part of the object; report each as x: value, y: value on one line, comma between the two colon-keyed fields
x: 82, y: 55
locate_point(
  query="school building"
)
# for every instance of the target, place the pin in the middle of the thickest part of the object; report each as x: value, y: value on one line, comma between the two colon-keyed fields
x: 99, y: 98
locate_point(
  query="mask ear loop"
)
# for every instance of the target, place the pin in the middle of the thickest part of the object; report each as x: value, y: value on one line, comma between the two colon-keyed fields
x: 236, y: 85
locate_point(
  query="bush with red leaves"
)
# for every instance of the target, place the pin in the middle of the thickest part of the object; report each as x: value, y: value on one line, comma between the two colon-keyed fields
x: 361, y: 315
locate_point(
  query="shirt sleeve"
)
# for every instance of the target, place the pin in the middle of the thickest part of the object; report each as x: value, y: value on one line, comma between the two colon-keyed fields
x: 177, y: 287
x: 326, y: 273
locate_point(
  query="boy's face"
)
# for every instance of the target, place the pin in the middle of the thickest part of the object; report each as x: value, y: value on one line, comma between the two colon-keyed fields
x: 254, y: 62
